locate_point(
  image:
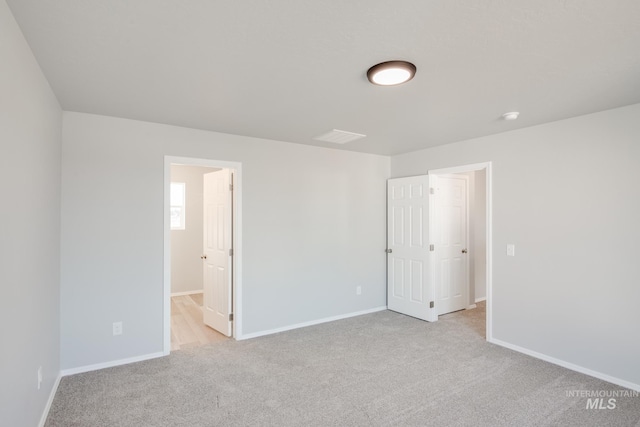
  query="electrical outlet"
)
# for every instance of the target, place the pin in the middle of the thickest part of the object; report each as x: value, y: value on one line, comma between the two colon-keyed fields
x: 358, y: 290
x: 117, y: 328
x: 511, y: 249
x: 39, y: 377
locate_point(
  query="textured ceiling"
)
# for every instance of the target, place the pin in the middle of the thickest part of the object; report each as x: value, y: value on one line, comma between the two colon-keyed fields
x: 291, y: 70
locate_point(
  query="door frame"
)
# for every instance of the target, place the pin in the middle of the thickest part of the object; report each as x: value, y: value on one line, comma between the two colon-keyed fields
x: 487, y: 166
x: 237, y: 241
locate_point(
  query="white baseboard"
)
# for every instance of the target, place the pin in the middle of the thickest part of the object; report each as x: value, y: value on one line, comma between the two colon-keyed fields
x: 568, y: 365
x: 179, y: 294
x: 481, y: 299
x: 471, y: 307
x: 97, y: 366
x: 47, y: 408
x: 310, y: 323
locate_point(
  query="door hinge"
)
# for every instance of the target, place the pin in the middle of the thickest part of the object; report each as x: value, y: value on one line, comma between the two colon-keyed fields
x: 432, y: 247
x: 230, y: 252
x: 431, y: 304
x: 230, y: 317
x: 432, y: 190
x: 388, y: 251
x: 230, y: 187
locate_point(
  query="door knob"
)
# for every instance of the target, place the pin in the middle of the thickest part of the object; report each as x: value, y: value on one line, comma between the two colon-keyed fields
x: 464, y: 251
x: 203, y: 256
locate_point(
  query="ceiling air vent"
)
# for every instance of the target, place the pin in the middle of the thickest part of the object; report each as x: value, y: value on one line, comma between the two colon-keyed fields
x: 339, y: 136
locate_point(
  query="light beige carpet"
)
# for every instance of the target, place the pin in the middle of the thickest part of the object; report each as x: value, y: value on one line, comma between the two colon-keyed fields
x: 382, y: 369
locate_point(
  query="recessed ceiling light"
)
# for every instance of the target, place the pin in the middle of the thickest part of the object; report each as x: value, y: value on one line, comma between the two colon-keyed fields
x: 511, y: 116
x: 391, y: 73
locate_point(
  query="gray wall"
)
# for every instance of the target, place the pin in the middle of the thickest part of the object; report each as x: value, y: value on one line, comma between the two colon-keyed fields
x: 30, y: 137
x: 566, y: 194
x: 186, y: 245
x: 313, y: 229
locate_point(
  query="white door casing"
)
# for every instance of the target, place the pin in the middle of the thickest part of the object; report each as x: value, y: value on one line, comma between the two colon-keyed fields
x: 217, y: 245
x: 450, y: 237
x: 410, y: 288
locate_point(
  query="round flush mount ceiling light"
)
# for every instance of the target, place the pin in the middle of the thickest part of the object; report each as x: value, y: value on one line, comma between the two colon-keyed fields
x: 391, y: 73
x: 511, y: 116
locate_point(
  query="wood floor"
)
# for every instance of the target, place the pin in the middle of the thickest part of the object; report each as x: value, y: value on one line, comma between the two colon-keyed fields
x: 187, y: 327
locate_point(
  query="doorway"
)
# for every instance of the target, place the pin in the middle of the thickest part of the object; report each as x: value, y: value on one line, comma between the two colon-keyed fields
x: 184, y: 282
x: 416, y: 243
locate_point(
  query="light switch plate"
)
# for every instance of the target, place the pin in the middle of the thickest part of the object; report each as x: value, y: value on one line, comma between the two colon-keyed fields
x: 511, y: 249
x: 117, y: 328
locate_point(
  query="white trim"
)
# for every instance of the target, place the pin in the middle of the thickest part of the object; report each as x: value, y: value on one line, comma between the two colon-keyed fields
x: 120, y: 362
x: 471, y: 307
x: 310, y: 323
x: 489, y: 231
x: 568, y: 365
x: 460, y: 169
x: 47, y: 407
x: 481, y: 299
x: 489, y: 250
x: 166, y: 278
x: 237, y: 242
x: 180, y: 294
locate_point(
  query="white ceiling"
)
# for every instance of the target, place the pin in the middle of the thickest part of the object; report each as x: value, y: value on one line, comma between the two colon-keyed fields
x: 291, y: 70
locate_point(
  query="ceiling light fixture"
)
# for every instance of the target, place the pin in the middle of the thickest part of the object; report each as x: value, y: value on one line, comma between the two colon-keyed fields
x: 391, y: 73
x: 511, y: 116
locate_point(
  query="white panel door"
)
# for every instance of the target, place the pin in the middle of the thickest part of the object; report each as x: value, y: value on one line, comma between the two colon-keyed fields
x: 450, y: 238
x: 409, y: 274
x: 217, y: 242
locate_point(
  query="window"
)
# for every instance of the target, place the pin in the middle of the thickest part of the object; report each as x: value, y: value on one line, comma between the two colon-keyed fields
x: 177, y: 205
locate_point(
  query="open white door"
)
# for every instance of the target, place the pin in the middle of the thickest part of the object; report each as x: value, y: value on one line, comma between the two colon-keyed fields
x: 410, y: 287
x: 218, y: 244
x: 450, y: 236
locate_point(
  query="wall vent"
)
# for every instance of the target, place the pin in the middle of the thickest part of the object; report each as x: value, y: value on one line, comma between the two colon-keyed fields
x: 339, y: 136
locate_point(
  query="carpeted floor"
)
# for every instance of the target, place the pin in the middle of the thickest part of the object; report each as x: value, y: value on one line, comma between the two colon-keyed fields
x: 381, y: 369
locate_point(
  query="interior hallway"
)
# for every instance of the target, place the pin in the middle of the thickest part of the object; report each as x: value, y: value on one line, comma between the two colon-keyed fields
x: 187, y: 327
